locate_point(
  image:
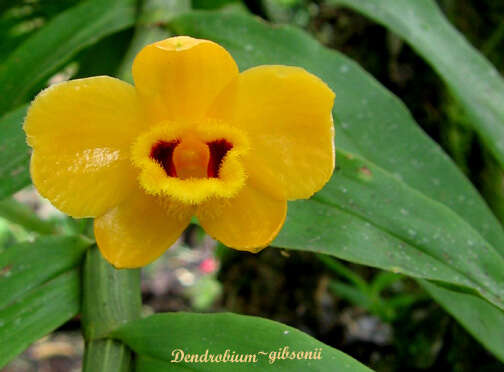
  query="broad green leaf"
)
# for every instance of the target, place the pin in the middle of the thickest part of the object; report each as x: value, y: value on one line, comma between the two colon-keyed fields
x: 28, y: 265
x: 484, y: 322
x: 471, y: 78
x: 363, y: 207
x: 162, y: 338
x: 20, y: 19
x: 37, y: 313
x: 376, y: 126
x: 52, y: 46
x: 14, y: 153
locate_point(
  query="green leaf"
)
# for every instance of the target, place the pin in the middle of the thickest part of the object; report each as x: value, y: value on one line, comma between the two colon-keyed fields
x: 104, y: 57
x: 382, y: 281
x: 486, y: 323
x: 350, y: 293
x: 375, y: 125
x: 56, y: 43
x: 14, y: 153
x: 20, y: 19
x: 40, y: 289
x: 215, y: 4
x: 344, y: 272
x: 37, y: 313
x: 159, y: 338
x: 155, y: 12
x: 363, y: 206
x: 25, y: 266
x: 472, y: 79
x: 20, y: 214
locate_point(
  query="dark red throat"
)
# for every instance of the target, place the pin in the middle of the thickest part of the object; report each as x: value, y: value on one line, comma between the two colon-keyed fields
x: 218, y: 149
x: 162, y: 152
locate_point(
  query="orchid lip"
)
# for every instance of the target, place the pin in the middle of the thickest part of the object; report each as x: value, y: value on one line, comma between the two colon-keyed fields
x: 191, y: 162
x: 163, y: 153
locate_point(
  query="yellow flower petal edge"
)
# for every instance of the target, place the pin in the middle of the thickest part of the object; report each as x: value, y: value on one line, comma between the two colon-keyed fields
x: 286, y: 113
x: 81, y: 131
x: 139, y: 230
x: 248, y: 222
x: 178, y: 78
x: 192, y: 137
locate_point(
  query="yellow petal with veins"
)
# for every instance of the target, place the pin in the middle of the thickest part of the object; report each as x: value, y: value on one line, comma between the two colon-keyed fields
x: 286, y: 113
x: 85, y: 183
x: 178, y: 78
x: 249, y: 222
x: 80, y: 132
x: 139, y: 230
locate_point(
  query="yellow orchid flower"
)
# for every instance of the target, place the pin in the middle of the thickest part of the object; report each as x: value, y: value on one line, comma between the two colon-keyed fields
x: 192, y: 137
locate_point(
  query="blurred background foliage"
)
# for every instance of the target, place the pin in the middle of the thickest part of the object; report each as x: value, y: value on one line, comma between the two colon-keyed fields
x: 380, y: 318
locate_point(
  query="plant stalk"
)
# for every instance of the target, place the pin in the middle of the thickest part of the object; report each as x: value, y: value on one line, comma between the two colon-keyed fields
x: 111, y: 298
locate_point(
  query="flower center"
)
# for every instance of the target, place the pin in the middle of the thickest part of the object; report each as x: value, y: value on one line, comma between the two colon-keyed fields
x: 191, y: 162
x: 191, y: 157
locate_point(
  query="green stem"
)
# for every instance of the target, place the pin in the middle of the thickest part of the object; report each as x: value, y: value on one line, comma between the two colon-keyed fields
x: 107, y: 355
x: 344, y: 271
x: 494, y: 40
x: 111, y: 298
